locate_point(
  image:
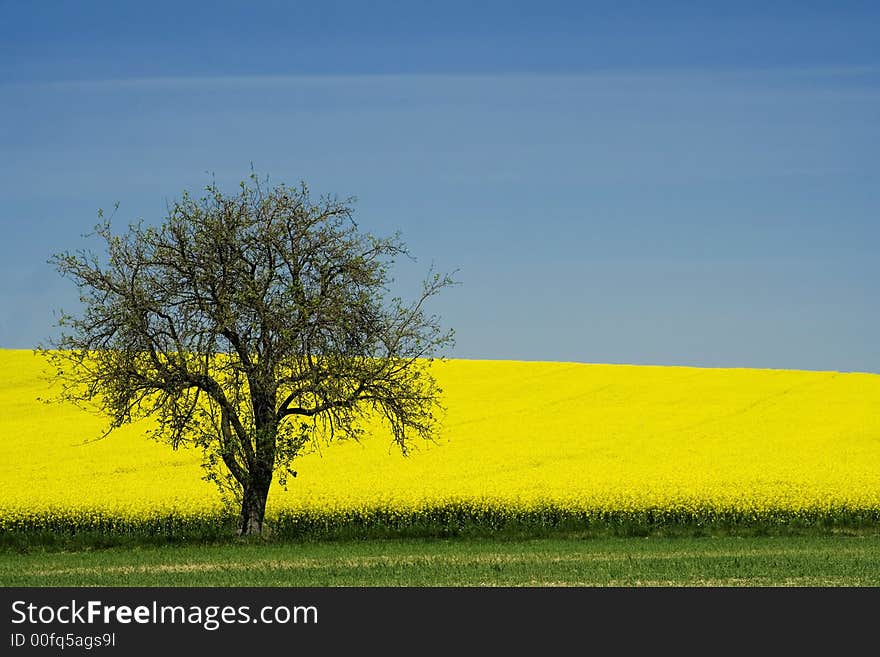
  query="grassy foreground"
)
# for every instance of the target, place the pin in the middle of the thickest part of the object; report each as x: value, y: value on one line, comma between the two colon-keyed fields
x: 658, y: 562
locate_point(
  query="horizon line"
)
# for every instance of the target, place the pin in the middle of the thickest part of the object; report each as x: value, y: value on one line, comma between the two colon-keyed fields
x: 36, y: 350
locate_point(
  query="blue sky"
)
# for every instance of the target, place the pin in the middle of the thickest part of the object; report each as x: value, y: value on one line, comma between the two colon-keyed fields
x: 616, y: 182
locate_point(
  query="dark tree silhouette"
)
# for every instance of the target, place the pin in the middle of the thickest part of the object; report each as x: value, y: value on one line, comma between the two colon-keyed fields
x: 251, y: 325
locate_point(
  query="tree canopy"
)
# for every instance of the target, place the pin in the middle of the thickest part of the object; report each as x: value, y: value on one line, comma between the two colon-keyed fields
x: 253, y: 325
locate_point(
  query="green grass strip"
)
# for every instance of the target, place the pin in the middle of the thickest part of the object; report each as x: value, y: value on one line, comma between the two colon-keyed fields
x: 658, y: 562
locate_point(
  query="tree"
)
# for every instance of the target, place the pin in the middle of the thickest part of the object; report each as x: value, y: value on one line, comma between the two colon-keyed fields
x: 251, y: 325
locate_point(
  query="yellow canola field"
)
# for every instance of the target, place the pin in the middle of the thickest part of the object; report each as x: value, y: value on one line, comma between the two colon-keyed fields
x: 516, y: 434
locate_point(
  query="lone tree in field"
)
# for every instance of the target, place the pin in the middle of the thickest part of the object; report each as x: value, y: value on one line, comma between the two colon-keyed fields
x: 251, y: 325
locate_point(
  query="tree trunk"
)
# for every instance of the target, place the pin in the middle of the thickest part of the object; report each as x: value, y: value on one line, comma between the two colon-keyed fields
x: 253, y: 503
x: 253, y: 509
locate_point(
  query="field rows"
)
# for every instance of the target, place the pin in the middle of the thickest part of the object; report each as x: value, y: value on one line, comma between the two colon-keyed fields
x: 545, y: 442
